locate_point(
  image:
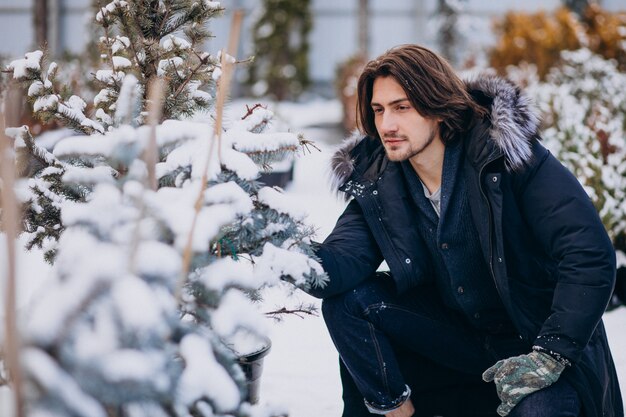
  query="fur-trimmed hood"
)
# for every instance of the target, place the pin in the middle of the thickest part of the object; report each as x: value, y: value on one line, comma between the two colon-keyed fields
x: 513, y: 119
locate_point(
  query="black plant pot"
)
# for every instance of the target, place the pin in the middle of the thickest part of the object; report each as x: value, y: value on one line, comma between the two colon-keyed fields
x: 252, y: 366
x: 277, y: 178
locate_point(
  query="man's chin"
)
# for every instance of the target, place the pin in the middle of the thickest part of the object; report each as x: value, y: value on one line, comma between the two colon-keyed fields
x: 396, y: 155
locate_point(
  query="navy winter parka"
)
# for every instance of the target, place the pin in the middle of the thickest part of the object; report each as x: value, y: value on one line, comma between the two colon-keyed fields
x: 549, y: 255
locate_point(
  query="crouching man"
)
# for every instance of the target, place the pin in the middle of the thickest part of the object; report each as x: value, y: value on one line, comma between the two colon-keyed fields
x: 499, y: 267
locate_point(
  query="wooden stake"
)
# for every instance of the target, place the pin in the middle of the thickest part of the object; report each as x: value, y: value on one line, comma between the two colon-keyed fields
x: 222, y: 92
x: 227, y: 72
x: 156, y: 91
x: 10, y: 222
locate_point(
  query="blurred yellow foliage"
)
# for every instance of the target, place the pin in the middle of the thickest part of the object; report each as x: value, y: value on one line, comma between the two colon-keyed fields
x: 538, y: 38
x: 606, y: 34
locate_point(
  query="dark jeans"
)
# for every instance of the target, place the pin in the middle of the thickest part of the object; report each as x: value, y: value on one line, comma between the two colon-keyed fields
x: 388, y: 342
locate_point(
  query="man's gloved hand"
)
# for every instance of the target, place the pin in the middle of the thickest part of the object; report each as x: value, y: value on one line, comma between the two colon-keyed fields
x: 519, y: 376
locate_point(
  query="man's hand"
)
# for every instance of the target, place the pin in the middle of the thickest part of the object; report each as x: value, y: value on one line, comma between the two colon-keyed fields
x: 519, y: 376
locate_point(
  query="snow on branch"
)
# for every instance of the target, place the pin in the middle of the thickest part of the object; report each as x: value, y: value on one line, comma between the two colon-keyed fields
x: 23, y: 138
x: 47, y: 103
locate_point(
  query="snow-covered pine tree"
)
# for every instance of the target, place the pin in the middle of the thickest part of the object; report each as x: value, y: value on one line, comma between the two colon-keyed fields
x: 281, y: 61
x: 105, y: 337
x: 583, y: 102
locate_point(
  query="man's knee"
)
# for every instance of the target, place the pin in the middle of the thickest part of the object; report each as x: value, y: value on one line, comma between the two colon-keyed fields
x: 558, y: 400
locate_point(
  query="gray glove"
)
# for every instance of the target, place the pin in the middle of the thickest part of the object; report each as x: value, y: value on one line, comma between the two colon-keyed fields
x: 519, y: 376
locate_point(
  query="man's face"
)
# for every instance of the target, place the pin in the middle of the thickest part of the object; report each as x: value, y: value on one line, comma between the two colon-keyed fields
x: 404, y: 132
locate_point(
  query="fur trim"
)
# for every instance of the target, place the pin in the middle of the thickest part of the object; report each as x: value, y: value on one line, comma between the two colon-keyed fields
x: 514, y: 118
x: 342, y: 163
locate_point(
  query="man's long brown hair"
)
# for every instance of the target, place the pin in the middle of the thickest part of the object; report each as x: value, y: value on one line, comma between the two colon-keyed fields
x: 430, y: 84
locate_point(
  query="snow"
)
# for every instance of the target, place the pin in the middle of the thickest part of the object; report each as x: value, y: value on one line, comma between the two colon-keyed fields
x: 239, y: 163
x: 203, y: 376
x: 251, y: 142
x: 128, y: 98
x: 102, y: 213
x: 174, y: 42
x: 175, y: 207
x: 80, y: 175
x: 119, y: 62
x: 227, y: 272
x: 166, y: 64
x: 109, y: 77
x: 229, y: 193
x: 30, y: 63
x: 281, y: 202
x: 49, y: 316
x: 43, y: 103
x: 132, y: 298
x: 35, y: 89
x: 279, y: 262
x: 76, y: 103
x: 54, y: 379
x: 212, y: 5
x: 130, y: 364
x: 119, y: 44
x: 110, y: 8
x: 235, y: 313
x: 155, y: 259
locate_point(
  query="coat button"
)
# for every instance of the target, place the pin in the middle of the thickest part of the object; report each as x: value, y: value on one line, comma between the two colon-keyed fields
x: 375, y: 192
x: 494, y: 179
x: 407, y: 260
x: 499, y: 259
x: 444, y: 246
x: 477, y: 316
x: 460, y: 290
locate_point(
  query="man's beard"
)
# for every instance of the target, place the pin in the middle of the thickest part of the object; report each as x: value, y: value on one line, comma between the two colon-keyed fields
x: 411, y: 152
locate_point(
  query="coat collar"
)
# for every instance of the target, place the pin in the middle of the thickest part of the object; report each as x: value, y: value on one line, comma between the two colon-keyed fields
x: 513, y: 124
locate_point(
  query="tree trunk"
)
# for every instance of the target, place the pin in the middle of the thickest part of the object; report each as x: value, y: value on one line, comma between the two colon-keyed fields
x: 40, y: 17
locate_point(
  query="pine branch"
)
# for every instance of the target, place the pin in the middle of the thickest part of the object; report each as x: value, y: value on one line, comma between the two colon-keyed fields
x: 42, y: 155
x: 193, y: 72
x: 105, y: 26
x: 134, y: 37
x: 250, y: 110
x: 305, y: 143
x: 168, y: 10
x: 299, y: 312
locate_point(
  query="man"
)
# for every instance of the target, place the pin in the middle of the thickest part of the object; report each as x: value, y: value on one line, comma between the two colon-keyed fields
x: 499, y: 267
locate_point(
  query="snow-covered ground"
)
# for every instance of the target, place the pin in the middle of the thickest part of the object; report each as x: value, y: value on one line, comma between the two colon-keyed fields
x: 301, y: 371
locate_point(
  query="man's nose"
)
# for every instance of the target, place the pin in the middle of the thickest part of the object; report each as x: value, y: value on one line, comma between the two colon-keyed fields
x: 388, y: 124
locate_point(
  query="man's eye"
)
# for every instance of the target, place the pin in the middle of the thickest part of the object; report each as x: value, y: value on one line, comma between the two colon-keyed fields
x: 377, y: 110
x: 403, y: 107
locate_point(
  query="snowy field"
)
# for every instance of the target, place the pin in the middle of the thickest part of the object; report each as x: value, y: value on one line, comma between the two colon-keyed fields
x: 301, y: 371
